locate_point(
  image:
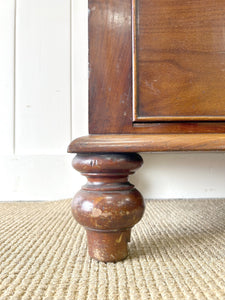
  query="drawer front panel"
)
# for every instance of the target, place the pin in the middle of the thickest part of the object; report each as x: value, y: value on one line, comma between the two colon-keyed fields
x: 178, y: 60
x: 156, y: 66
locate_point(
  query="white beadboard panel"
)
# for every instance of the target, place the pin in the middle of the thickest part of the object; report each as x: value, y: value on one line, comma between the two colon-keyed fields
x: 79, y: 55
x: 7, y: 12
x: 38, y: 178
x: 43, y: 123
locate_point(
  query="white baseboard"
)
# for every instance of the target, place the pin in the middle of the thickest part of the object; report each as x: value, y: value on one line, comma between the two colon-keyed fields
x: 163, y: 176
x: 38, y: 178
x: 182, y: 175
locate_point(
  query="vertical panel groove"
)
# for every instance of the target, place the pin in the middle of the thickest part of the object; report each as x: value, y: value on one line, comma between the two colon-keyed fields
x: 71, y: 78
x: 79, y: 62
x: 14, y: 81
x: 7, y: 11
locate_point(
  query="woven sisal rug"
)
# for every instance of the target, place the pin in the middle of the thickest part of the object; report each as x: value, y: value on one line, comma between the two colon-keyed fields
x: 177, y: 252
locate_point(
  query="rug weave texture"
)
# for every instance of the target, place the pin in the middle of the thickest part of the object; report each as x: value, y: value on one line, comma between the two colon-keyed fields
x: 177, y: 251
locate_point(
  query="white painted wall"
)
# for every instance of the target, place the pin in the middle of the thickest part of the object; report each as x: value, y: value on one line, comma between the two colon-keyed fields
x: 43, y: 83
x: 44, y: 104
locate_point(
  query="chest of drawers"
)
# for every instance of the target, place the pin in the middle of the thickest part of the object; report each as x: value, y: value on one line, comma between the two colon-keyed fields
x: 156, y: 83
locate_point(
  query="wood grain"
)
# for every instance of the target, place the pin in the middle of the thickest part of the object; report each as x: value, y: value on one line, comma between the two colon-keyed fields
x: 148, y: 143
x: 181, y: 60
x: 177, y: 75
x: 108, y: 205
x: 200, y: 56
x: 109, y: 64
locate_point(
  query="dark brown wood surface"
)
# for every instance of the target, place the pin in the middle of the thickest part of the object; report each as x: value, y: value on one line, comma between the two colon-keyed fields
x: 110, y: 90
x: 108, y: 206
x: 187, y: 52
x: 148, y: 143
x: 156, y: 83
x: 180, y: 60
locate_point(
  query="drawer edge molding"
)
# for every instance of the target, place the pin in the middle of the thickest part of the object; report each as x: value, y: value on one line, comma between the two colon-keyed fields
x: 106, y: 143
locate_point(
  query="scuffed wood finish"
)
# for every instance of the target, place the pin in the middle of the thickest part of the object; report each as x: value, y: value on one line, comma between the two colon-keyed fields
x: 148, y: 143
x: 170, y: 57
x: 108, y: 206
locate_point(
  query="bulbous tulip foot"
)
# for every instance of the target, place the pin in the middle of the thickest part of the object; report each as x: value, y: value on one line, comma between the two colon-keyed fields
x: 108, y: 206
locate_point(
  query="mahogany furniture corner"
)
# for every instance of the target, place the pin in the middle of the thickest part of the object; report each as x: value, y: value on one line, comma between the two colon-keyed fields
x: 156, y: 83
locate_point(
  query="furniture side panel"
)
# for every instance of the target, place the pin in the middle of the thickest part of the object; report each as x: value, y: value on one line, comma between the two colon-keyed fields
x: 110, y: 65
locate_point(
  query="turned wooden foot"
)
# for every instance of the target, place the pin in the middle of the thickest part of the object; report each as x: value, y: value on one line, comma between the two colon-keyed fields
x: 108, y: 206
